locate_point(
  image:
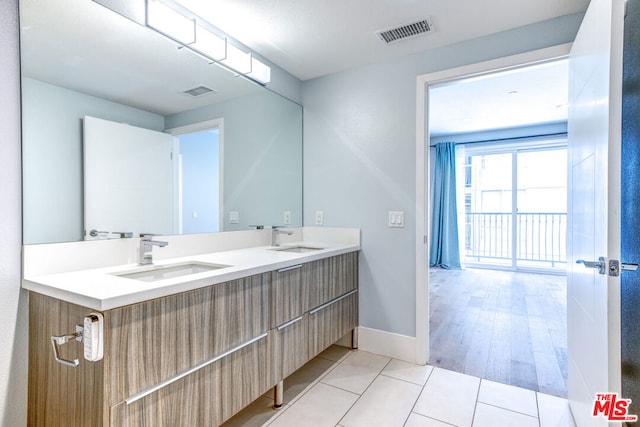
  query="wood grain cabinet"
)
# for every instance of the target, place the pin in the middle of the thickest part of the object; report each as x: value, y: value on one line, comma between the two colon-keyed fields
x: 289, y: 294
x: 331, y: 277
x: 191, y: 359
x: 290, y: 349
x: 304, y: 328
x: 197, y: 355
x: 331, y: 321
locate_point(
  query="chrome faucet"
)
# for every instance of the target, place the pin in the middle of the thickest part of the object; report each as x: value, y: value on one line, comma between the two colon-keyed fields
x: 146, y: 247
x: 275, y: 230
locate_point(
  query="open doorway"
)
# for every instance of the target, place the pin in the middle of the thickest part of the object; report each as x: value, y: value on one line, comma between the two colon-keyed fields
x: 502, y: 315
x: 198, y: 181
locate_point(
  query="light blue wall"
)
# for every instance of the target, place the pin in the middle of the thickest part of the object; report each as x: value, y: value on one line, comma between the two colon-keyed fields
x: 52, y: 155
x: 262, y: 155
x: 359, y: 158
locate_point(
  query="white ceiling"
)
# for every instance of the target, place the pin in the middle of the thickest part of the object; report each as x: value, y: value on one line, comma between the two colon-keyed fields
x: 522, y: 97
x: 311, y: 38
x: 86, y: 47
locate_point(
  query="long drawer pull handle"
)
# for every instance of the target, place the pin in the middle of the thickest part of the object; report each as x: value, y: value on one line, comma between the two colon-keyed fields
x: 171, y: 380
x: 289, y: 323
x: 293, y: 267
x: 325, y: 305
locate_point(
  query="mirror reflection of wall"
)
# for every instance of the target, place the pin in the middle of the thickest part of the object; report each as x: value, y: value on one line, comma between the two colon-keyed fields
x: 84, y: 59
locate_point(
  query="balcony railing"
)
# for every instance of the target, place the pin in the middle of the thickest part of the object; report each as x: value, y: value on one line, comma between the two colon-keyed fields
x: 540, y: 238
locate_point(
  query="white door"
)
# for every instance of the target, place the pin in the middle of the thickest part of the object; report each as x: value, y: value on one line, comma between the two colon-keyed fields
x: 128, y: 180
x: 593, y: 299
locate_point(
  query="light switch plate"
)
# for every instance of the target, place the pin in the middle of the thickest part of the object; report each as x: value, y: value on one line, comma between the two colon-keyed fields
x: 396, y: 219
x: 319, y: 218
x: 287, y: 218
x: 234, y: 217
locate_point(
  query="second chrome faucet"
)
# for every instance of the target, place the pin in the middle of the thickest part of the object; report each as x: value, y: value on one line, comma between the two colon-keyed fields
x: 275, y: 231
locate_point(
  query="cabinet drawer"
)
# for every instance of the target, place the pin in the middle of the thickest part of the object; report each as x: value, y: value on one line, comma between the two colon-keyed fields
x: 290, y: 349
x: 332, y: 277
x: 330, y: 322
x: 147, y: 343
x: 289, y: 295
x: 206, y: 397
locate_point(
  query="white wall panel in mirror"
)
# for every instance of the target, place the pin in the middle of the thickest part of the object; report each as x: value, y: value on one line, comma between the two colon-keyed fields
x: 128, y: 180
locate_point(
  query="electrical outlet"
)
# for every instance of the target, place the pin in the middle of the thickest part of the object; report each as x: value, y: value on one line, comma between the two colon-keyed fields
x: 319, y: 218
x: 287, y: 218
x: 234, y: 217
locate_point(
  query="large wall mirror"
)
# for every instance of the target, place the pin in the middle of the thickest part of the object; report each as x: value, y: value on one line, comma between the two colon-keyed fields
x: 83, y: 63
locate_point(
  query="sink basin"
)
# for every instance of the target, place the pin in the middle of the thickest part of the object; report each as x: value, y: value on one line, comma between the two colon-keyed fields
x: 160, y: 272
x: 297, y: 249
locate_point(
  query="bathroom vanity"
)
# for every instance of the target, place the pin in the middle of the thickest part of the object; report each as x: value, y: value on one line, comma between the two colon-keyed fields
x: 195, y: 356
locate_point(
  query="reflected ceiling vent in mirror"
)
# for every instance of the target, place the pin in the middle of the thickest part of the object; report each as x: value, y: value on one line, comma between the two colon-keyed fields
x: 199, y: 91
x: 394, y: 34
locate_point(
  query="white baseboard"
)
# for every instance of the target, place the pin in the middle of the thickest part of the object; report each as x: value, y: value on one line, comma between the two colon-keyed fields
x: 388, y: 344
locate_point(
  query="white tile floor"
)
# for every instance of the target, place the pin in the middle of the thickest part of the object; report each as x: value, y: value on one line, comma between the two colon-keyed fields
x: 355, y: 388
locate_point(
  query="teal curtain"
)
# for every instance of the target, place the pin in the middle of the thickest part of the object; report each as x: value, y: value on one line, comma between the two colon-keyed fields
x: 445, y: 251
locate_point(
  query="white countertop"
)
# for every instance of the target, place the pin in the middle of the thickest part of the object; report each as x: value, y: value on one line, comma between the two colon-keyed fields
x: 101, y: 289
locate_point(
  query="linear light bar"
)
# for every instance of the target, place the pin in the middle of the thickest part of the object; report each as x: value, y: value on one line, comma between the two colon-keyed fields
x: 237, y: 59
x: 260, y: 71
x: 209, y: 44
x: 191, y: 34
x: 170, y: 22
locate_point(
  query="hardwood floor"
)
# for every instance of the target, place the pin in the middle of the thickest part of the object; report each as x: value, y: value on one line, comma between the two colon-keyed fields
x: 503, y: 326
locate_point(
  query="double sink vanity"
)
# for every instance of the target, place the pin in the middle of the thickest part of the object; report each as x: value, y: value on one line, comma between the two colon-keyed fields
x: 191, y: 339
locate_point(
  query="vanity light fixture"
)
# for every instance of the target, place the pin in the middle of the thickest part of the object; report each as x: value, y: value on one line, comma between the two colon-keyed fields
x: 237, y: 59
x: 260, y: 71
x: 172, y: 21
x: 209, y: 45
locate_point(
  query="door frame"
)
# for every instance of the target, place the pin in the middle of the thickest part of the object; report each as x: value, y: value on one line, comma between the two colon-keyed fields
x: 423, y: 191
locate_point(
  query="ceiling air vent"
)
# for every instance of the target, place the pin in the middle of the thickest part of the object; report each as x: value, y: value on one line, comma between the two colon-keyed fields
x: 199, y: 91
x: 393, y: 34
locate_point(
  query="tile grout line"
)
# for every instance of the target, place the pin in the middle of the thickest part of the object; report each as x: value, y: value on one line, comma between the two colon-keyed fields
x: 433, y: 368
x: 538, y: 409
x: 363, y: 392
x: 308, y: 387
x: 320, y: 377
x: 475, y: 407
x: 507, y: 409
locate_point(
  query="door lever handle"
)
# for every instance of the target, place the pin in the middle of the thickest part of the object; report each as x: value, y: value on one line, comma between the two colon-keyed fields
x: 601, y: 265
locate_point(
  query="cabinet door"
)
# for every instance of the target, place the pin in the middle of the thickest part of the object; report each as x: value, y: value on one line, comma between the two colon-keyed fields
x: 289, y: 295
x: 149, y: 342
x: 330, y: 322
x: 206, y: 397
x: 330, y: 278
x: 290, y: 348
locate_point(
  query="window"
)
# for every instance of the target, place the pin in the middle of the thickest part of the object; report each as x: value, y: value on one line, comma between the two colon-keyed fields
x: 521, y: 228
